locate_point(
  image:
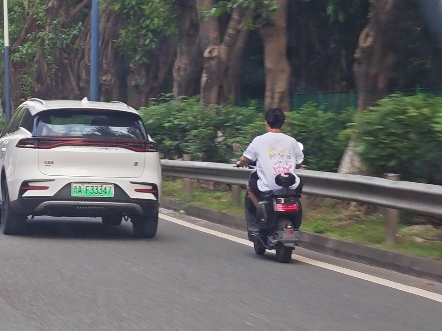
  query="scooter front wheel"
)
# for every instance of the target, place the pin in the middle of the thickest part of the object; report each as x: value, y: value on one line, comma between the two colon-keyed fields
x: 283, y: 253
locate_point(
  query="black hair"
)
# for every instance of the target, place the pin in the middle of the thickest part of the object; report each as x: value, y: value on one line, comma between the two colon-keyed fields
x: 275, y: 118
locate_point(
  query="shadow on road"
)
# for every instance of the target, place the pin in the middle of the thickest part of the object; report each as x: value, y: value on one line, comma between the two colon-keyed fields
x: 272, y: 258
x: 89, y: 229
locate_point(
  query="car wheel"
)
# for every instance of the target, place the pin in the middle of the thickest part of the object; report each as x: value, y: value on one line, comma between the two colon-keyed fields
x: 112, y: 219
x: 145, y: 226
x: 12, y: 223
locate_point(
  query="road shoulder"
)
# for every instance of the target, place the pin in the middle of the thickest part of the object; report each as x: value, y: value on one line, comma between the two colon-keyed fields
x: 423, y: 268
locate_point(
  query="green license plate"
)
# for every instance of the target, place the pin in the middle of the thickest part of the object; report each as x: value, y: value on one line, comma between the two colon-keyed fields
x: 92, y: 190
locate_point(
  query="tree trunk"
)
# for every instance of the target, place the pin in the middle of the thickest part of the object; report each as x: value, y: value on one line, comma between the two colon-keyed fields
x: 145, y: 80
x: 64, y: 73
x: 277, y: 67
x: 232, y: 80
x: 110, y: 59
x: 374, y: 58
x: 351, y: 162
x: 374, y: 54
x: 17, y: 96
x: 52, y: 74
x: 188, y: 64
x: 221, y: 61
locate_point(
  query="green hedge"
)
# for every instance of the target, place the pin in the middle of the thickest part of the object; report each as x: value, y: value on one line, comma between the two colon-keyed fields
x: 321, y: 134
x: 187, y: 127
x: 399, y: 135
x: 207, y: 133
x: 403, y: 135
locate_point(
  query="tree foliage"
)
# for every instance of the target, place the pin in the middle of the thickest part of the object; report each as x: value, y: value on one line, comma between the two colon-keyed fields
x: 187, y: 127
x: 322, y: 36
x: 147, y: 24
x: 207, y: 133
x: 263, y: 9
x: 403, y: 135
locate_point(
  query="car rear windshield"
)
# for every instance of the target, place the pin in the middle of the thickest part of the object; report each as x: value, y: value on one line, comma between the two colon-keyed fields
x: 89, y: 124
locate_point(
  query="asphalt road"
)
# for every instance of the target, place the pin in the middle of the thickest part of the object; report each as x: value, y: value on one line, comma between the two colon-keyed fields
x: 78, y: 275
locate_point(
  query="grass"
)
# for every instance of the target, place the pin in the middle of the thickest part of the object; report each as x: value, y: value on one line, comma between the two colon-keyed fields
x: 324, y: 216
x: 218, y: 200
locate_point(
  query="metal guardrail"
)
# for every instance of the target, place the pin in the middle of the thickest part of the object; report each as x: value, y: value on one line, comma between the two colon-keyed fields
x: 414, y: 197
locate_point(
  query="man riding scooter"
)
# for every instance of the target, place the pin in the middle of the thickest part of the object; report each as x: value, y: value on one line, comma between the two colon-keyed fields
x: 275, y: 153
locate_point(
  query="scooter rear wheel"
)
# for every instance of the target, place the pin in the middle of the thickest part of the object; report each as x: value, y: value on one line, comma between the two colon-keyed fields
x: 284, y: 254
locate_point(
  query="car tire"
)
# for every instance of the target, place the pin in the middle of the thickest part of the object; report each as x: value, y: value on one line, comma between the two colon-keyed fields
x: 145, y: 226
x: 11, y: 222
x: 112, y: 219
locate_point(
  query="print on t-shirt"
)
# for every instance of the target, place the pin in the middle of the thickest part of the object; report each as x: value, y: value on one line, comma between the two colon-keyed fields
x: 281, y: 160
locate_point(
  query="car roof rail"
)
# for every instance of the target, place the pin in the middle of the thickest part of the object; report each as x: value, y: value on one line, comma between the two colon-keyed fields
x: 38, y: 100
x: 115, y: 101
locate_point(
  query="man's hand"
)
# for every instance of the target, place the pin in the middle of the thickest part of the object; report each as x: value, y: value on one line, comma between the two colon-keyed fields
x: 243, y: 161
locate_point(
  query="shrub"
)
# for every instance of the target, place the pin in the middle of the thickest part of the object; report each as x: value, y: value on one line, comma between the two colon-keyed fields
x: 317, y: 130
x: 403, y: 135
x: 187, y: 127
x: 2, y: 123
x: 320, y: 133
x: 207, y: 133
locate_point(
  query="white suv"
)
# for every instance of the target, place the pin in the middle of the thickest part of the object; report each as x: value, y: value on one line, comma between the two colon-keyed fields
x: 79, y: 159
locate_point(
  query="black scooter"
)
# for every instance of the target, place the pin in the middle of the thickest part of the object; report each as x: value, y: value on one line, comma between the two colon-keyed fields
x: 274, y: 223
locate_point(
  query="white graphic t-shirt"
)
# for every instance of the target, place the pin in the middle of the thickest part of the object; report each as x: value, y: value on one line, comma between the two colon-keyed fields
x: 275, y: 153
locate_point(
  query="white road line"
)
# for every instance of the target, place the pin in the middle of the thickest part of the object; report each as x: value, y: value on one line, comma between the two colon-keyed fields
x: 345, y: 271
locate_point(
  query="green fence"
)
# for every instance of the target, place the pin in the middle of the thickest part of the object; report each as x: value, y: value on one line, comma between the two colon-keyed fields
x: 334, y: 101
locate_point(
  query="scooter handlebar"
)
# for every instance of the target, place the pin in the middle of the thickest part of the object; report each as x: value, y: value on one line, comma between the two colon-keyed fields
x: 247, y: 166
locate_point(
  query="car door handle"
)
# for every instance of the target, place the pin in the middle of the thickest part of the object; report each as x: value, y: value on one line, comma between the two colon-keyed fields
x: 3, y: 149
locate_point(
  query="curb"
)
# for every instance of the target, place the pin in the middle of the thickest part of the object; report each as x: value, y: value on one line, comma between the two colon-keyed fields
x: 410, y: 265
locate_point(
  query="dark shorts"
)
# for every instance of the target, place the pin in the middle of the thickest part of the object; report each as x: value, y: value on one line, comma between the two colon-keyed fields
x: 253, y: 184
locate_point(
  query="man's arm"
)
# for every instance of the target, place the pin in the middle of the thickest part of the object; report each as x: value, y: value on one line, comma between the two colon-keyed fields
x: 299, y: 156
x: 243, y: 161
x: 251, y: 155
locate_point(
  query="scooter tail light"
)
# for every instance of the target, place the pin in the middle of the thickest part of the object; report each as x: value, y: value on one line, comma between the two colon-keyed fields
x: 281, y: 207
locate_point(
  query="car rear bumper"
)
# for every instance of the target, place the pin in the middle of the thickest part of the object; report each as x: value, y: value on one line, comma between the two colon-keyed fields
x: 89, y: 208
x: 63, y: 204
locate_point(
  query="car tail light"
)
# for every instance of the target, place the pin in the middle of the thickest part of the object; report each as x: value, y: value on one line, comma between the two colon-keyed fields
x: 53, y: 142
x: 27, y: 143
x: 146, y: 190
x: 282, y: 207
x: 150, y: 146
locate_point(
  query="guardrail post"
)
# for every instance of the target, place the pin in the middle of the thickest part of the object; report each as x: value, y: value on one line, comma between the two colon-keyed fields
x: 236, y: 195
x: 391, y: 217
x: 187, y: 184
x: 236, y: 190
x: 305, y: 200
